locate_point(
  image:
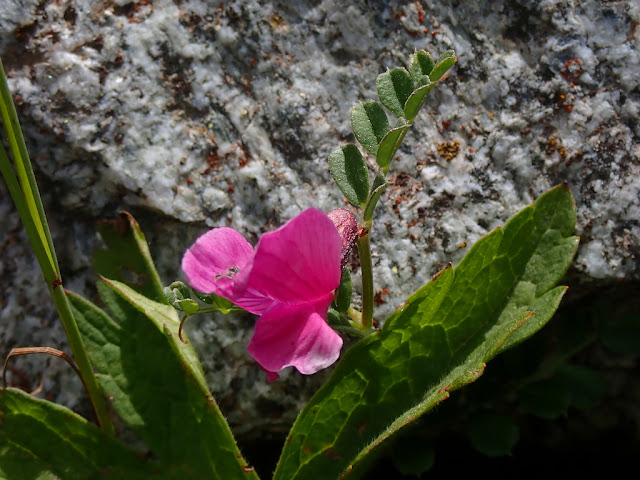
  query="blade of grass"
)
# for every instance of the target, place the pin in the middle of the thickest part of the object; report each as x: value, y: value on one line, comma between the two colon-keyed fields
x: 24, y: 169
x: 24, y: 192
x: 16, y: 194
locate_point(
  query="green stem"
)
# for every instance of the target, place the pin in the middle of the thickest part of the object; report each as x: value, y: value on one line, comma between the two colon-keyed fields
x: 23, y: 168
x: 364, y: 251
x: 24, y: 192
x: 80, y: 355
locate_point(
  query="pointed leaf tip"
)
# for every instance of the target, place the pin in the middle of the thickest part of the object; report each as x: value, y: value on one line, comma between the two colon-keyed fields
x: 420, y: 64
x: 444, y: 63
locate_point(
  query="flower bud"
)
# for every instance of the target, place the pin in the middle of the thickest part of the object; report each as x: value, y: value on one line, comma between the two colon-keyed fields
x: 348, y: 229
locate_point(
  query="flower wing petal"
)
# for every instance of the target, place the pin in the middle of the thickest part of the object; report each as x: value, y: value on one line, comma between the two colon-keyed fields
x: 219, y: 262
x: 295, y: 335
x: 299, y: 262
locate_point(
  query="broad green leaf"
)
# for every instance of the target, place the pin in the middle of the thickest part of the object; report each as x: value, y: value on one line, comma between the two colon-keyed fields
x: 43, y: 440
x: 389, y: 146
x: 157, y: 385
x: 154, y: 380
x: 415, y: 101
x: 444, y: 63
x: 586, y: 386
x: 127, y: 258
x: 420, y: 64
x: 492, y: 434
x: 394, y: 89
x: 622, y: 335
x: 438, y: 342
x: 547, y: 398
x: 370, y: 124
x: 413, y: 456
x: 350, y: 173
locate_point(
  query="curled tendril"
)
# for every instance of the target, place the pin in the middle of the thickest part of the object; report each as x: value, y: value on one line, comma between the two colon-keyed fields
x: 180, y: 329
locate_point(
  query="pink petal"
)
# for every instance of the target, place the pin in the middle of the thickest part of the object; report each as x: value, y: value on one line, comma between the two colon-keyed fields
x: 219, y: 262
x: 295, y: 335
x: 299, y: 262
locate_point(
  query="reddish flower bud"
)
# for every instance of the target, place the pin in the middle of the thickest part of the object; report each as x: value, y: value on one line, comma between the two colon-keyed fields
x: 348, y: 229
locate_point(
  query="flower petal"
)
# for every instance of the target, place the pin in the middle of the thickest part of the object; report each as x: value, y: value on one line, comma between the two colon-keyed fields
x: 299, y: 262
x: 219, y: 262
x: 295, y: 335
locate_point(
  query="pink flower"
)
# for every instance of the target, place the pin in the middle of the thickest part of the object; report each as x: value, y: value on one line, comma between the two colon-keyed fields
x: 288, y: 280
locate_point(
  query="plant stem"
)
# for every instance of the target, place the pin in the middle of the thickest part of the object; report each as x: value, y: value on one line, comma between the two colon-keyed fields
x: 364, y: 251
x: 25, y: 194
x: 81, y: 357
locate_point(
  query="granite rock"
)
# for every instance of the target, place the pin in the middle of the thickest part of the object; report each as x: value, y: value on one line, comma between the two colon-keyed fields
x: 192, y: 115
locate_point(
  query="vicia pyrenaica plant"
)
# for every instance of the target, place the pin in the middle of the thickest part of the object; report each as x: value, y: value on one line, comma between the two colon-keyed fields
x: 297, y: 281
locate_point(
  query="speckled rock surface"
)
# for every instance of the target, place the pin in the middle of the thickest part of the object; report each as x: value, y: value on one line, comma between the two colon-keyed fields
x: 193, y: 115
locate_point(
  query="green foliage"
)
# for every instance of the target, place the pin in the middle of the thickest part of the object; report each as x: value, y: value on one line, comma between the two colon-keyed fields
x: 178, y: 295
x: 420, y: 65
x: 220, y: 304
x: 586, y: 386
x: 403, y: 93
x: 492, y: 434
x: 412, y: 456
x: 370, y: 124
x: 154, y: 380
x: 394, y: 89
x: 342, y: 300
x: 350, y: 173
x: 444, y: 63
x: 438, y: 342
x: 24, y: 192
x: 622, y: 335
x: 416, y: 99
x: 548, y: 398
x: 389, y: 146
x: 39, y: 439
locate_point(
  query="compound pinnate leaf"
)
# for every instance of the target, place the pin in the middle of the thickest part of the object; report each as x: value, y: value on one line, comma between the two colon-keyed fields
x: 438, y: 342
x: 155, y: 381
x: 586, y: 386
x: 413, y: 456
x: 417, y: 98
x: 394, y: 89
x: 444, y: 63
x: 350, y: 173
x: 40, y: 439
x: 420, y: 64
x: 389, y: 146
x: 493, y: 434
x: 370, y: 124
x: 622, y: 335
x: 547, y: 398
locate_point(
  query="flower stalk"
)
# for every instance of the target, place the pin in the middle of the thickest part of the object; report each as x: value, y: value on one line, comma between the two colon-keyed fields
x: 366, y: 266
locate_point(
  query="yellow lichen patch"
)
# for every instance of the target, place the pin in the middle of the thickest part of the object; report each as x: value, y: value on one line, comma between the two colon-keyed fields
x: 448, y: 150
x: 553, y: 144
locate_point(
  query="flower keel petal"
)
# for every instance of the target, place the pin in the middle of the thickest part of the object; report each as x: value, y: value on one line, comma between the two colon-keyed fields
x: 295, y: 335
